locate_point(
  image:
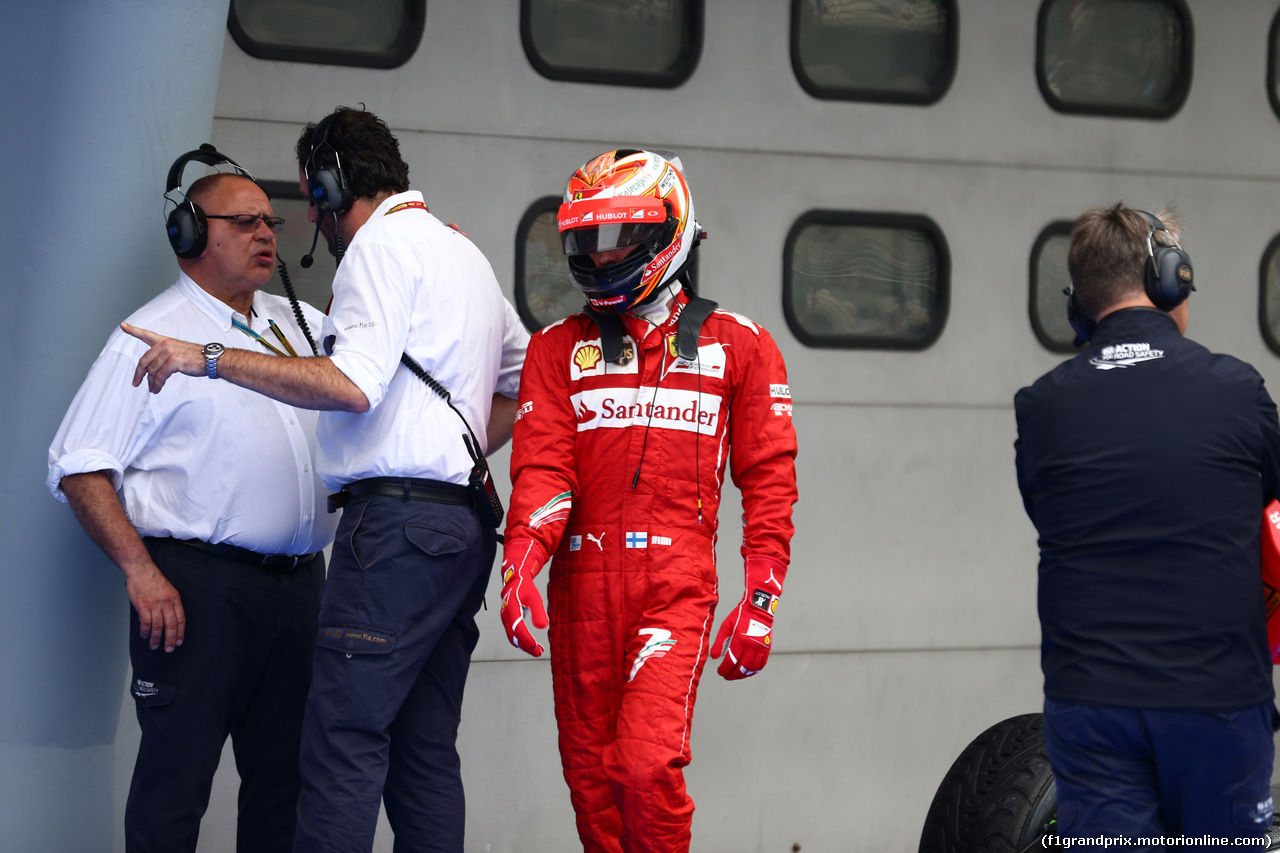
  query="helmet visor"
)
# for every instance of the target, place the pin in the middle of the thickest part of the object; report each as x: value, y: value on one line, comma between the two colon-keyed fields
x: 595, y: 225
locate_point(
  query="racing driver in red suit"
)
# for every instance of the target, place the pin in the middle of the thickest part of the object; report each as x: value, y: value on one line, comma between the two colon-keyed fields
x: 628, y: 414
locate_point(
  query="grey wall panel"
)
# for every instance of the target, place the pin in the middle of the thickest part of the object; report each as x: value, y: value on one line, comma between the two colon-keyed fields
x: 910, y: 533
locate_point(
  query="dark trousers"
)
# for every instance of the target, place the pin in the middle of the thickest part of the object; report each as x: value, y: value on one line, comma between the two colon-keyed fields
x: 397, y: 629
x: 242, y: 670
x: 1142, y: 773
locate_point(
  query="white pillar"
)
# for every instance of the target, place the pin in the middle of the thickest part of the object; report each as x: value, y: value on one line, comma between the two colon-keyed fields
x: 98, y: 100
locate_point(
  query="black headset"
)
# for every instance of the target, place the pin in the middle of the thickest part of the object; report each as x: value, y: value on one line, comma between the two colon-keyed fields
x: 1169, y: 277
x: 326, y: 185
x: 1168, y: 281
x: 186, y: 224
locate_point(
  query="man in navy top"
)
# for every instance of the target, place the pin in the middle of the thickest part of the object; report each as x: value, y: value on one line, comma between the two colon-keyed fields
x: 1145, y: 463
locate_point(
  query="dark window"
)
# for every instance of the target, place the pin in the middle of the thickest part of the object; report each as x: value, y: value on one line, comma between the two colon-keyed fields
x: 621, y: 42
x: 544, y: 293
x: 1114, y: 57
x: 370, y: 33
x: 892, y: 50
x: 312, y: 285
x: 865, y: 280
x: 1049, y: 278
x: 1269, y: 296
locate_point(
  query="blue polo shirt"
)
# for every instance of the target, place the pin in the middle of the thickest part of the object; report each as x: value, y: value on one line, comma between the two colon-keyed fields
x: 1145, y: 463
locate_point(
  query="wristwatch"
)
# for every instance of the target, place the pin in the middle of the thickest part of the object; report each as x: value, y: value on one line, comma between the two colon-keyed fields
x: 212, y: 352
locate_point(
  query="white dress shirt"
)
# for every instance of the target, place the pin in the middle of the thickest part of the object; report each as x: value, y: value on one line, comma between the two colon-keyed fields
x: 409, y: 283
x: 205, y: 459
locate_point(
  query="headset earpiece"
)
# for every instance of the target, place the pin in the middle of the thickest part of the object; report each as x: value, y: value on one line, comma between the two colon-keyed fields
x: 1080, y: 322
x: 186, y: 225
x: 1169, y: 279
x: 187, y: 229
x: 326, y: 185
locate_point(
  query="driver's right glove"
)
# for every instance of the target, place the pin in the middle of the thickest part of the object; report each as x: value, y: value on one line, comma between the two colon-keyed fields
x: 522, y: 559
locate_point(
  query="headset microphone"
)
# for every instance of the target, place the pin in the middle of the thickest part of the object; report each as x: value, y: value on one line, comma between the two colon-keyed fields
x: 309, y: 257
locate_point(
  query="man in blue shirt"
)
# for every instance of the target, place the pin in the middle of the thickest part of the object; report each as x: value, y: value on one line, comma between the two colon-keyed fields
x: 1145, y: 463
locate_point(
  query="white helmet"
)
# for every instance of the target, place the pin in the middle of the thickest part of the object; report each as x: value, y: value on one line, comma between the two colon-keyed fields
x: 626, y: 198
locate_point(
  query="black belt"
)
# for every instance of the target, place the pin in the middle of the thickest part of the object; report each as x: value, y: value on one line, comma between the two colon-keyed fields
x: 405, y: 488
x: 270, y: 562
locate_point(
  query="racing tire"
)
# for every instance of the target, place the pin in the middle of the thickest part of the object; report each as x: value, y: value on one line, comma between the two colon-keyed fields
x: 998, y: 796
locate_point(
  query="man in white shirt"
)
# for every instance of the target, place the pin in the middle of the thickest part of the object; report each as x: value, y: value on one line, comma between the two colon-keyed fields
x: 412, y: 556
x: 207, y: 500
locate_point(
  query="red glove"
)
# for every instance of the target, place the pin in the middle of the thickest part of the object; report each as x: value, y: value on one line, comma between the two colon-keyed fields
x: 522, y: 559
x: 749, y: 628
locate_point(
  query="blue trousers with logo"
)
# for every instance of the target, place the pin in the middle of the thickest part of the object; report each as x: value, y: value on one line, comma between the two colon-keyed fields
x: 1143, y: 773
x: 397, y: 628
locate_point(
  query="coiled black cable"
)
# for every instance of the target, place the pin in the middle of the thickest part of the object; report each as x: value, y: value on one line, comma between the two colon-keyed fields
x: 293, y: 303
x: 430, y: 381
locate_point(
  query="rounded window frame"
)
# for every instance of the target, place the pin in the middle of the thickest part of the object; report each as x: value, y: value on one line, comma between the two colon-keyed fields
x: 1056, y: 228
x: 1269, y: 337
x: 403, y: 49
x: 828, y: 216
x: 545, y: 204
x: 1273, y: 57
x: 686, y: 63
x: 951, y: 44
x: 1179, y: 95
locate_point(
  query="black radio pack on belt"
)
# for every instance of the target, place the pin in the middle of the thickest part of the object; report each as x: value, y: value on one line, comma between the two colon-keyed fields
x: 479, y: 481
x: 480, y: 484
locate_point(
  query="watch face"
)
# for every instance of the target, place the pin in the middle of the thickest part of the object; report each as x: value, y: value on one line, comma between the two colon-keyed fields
x: 211, y: 353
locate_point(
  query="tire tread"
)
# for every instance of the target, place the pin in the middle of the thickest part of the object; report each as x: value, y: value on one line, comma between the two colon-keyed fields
x: 993, y: 792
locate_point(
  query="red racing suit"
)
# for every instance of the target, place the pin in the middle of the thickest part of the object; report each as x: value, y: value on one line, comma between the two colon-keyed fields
x: 616, y: 470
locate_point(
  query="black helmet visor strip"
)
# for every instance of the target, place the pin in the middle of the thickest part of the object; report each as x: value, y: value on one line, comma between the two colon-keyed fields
x: 605, y: 238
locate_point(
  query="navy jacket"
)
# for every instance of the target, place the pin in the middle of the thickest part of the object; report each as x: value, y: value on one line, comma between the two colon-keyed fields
x: 1145, y: 463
